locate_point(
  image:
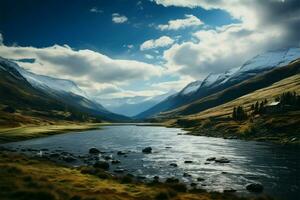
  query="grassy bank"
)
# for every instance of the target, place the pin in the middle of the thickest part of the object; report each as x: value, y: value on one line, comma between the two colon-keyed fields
x: 23, y: 178
x: 32, y: 131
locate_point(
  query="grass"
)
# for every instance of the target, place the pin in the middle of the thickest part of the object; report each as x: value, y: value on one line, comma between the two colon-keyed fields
x: 280, y: 128
x: 23, y: 178
x: 25, y: 132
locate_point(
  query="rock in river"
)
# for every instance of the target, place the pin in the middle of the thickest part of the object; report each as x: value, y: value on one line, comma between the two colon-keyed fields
x: 94, y: 150
x: 102, y: 165
x: 211, y: 159
x: 222, y: 160
x: 115, y: 162
x: 121, y: 153
x: 147, y: 150
x: 119, y: 170
x: 173, y: 165
x: 68, y: 159
x: 255, y: 187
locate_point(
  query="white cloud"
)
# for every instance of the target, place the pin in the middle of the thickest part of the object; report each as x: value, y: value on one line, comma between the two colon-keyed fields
x: 130, y: 46
x: 262, y: 26
x: 81, y: 66
x: 163, y: 41
x: 96, y: 10
x: 148, y: 56
x: 218, y: 50
x: 119, y: 19
x: 188, y: 21
x: 176, y: 85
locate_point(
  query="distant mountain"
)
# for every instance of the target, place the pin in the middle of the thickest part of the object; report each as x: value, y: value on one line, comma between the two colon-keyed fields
x: 131, y: 106
x: 64, y: 91
x: 214, y: 83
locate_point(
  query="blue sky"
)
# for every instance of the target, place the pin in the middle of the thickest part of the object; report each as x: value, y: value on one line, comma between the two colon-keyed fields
x: 44, y: 23
x: 127, y: 48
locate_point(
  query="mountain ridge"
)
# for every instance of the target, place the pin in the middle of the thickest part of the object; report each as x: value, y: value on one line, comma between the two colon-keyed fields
x: 219, y: 82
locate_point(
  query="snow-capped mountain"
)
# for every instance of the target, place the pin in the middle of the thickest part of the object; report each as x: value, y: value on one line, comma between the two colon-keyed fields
x: 131, y: 106
x: 216, y: 82
x: 46, y: 83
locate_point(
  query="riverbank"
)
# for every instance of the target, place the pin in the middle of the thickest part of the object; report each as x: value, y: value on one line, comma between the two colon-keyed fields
x: 34, y: 178
x: 26, y: 132
x: 280, y: 129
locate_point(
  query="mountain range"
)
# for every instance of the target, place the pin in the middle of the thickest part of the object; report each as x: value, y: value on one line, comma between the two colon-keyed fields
x: 53, y: 98
x: 214, y: 83
x: 28, y: 91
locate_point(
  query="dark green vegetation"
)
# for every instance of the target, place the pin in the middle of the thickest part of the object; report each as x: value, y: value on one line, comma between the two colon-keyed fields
x: 288, y: 101
x: 23, y: 178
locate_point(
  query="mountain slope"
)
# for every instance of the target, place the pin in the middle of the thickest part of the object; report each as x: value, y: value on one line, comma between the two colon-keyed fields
x: 17, y: 92
x: 217, y: 121
x: 214, y: 83
x: 233, y: 92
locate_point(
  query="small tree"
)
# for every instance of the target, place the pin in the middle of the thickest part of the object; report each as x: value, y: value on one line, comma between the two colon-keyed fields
x: 256, y: 107
x: 239, y: 113
x: 234, y: 113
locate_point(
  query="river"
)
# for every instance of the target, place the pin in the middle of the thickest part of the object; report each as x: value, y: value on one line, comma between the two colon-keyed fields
x: 276, y: 167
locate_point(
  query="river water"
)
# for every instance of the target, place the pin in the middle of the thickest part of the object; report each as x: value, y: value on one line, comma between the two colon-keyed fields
x: 276, y: 167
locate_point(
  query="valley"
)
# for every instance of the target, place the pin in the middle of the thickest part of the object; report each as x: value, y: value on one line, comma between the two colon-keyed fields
x: 149, y: 100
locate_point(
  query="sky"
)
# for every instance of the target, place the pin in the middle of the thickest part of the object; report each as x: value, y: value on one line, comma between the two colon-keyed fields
x: 129, y: 48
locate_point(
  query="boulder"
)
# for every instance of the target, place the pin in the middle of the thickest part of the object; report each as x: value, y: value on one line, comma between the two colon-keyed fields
x: 185, y: 174
x: 193, y: 184
x: 147, y: 150
x: 94, y: 150
x: 119, y: 170
x: 102, y: 165
x: 188, y: 161
x: 108, y: 157
x: 68, y: 159
x: 255, y: 187
x: 121, y: 153
x: 173, y: 165
x: 230, y: 190
x: 211, y: 159
x: 200, y: 179
x: 172, y: 180
x: 115, y: 162
x: 222, y: 160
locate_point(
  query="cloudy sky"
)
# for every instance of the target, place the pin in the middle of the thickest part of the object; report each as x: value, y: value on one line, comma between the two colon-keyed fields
x: 128, y: 48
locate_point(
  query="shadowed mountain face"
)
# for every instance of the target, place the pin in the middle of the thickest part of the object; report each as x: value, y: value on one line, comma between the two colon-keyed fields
x: 31, y: 92
x: 214, y: 83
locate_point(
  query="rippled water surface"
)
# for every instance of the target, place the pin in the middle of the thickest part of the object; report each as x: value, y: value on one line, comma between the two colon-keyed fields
x: 276, y: 167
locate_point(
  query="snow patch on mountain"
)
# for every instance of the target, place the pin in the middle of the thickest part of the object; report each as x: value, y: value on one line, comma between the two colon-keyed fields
x: 191, y: 88
x: 46, y: 82
x: 271, y: 59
